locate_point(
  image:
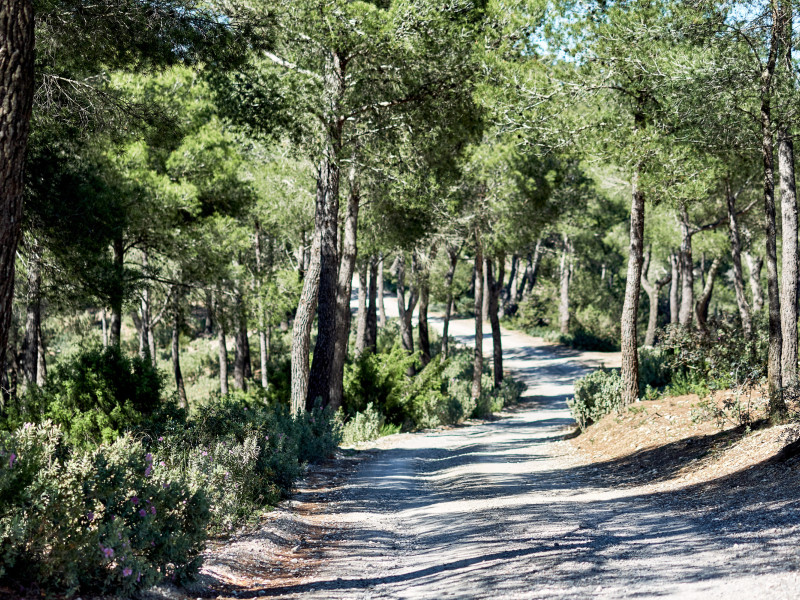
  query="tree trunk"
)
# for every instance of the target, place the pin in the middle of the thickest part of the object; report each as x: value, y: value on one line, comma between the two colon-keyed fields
x: 701, y: 308
x: 687, y: 270
x: 789, y: 259
x: 208, y: 326
x: 343, y: 291
x: 301, y: 259
x: 372, y: 316
x: 327, y: 223
x: 652, y: 294
x: 405, y: 311
x: 674, y: 293
x: 565, y: 274
x: 118, y: 294
x: 104, y: 325
x: 533, y: 263
x: 263, y: 338
x: 17, y: 85
x: 630, y: 307
x: 452, y: 253
x: 485, y: 305
x: 736, y: 256
x: 361, y: 314
x: 774, y: 380
x: 381, y: 306
x: 41, y: 370
x: 30, y: 344
x: 422, y: 320
x: 176, y: 355
x: 477, y: 361
x: 223, y: 352
x: 240, y: 349
x: 496, y: 286
x: 301, y: 329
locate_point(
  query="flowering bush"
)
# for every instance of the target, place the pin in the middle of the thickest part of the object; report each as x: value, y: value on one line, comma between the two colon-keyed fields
x: 115, y: 518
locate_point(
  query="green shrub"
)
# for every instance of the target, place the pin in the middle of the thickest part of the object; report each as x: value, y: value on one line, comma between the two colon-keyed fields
x: 362, y: 427
x: 596, y: 394
x: 95, y: 396
x: 112, y: 519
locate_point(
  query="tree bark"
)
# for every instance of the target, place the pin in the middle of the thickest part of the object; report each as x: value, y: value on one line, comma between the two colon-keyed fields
x: 208, y: 326
x: 789, y: 258
x: 263, y: 340
x: 104, y: 325
x: 327, y: 223
x: 674, y: 293
x: 496, y: 286
x: 630, y: 307
x: 222, y: 351
x: 477, y: 361
x: 372, y: 316
x: 687, y: 270
x: 701, y: 308
x: 343, y: 291
x: 774, y: 380
x: 41, y: 370
x: 361, y: 315
x: 240, y: 345
x: 736, y: 257
x: 118, y: 293
x: 301, y: 329
x: 653, y: 290
x: 30, y: 344
x: 381, y: 305
x: 485, y: 305
x: 406, y: 311
x: 176, y: 355
x: 755, y: 264
x: 452, y: 253
x: 565, y: 275
x: 533, y: 263
x: 17, y: 85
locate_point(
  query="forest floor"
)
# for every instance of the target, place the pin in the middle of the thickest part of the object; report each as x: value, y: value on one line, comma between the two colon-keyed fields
x: 646, y: 504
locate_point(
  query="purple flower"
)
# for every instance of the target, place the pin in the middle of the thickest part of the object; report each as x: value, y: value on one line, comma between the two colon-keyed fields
x: 11, y: 460
x: 148, y: 457
x: 138, y: 578
x: 107, y: 552
x: 134, y: 499
x: 205, y: 453
x: 266, y: 437
x: 90, y: 516
x: 126, y: 572
x: 153, y: 509
x: 142, y: 512
x: 161, y: 438
x: 148, y: 471
x: 162, y: 463
x: 152, y: 543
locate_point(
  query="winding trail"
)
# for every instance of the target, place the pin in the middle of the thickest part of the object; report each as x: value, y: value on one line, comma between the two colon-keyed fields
x: 504, y: 509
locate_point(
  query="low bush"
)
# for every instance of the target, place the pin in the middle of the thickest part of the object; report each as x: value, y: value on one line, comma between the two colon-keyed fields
x: 113, y: 518
x: 596, y: 395
x: 363, y: 426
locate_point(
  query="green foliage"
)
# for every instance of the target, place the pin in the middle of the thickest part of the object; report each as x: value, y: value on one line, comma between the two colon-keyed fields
x: 363, y: 426
x: 113, y: 518
x: 95, y: 396
x: 596, y: 394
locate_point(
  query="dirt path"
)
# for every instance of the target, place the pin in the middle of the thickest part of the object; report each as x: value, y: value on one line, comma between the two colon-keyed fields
x: 506, y: 509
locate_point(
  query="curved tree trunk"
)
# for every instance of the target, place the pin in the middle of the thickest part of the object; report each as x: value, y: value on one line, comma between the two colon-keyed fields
x: 301, y: 329
x: 674, y: 293
x: 789, y: 259
x: 630, y: 307
x: 17, y: 84
x: 222, y: 353
x: 405, y: 311
x: 533, y: 263
x: 452, y: 253
x: 736, y: 257
x: 652, y: 294
x: 687, y: 270
x: 327, y: 223
x: 176, y: 350
x: 372, y: 316
x: 755, y: 264
x: 361, y: 315
x: 496, y: 286
x: 30, y: 344
x: 477, y: 361
x: 381, y: 305
x: 701, y: 308
x: 565, y: 275
x: 343, y: 290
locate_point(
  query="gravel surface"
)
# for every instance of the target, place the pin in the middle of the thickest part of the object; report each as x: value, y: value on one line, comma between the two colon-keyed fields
x: 508, y: 509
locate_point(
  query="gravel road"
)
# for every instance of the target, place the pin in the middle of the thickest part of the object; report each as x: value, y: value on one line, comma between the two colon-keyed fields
x: 505, y: 509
